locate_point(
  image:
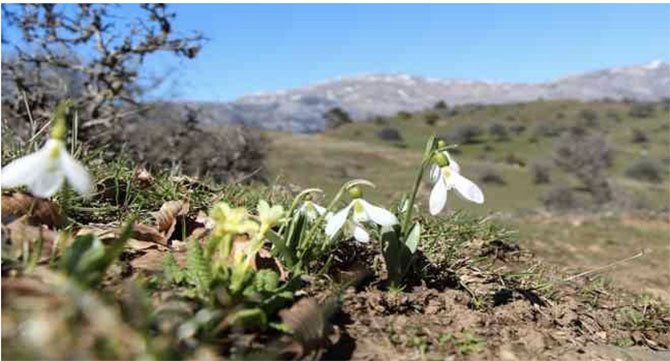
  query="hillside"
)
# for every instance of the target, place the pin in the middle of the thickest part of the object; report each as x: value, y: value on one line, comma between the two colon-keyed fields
x: 569, y: 237
x: 365, y: 96
x: 533, y: 129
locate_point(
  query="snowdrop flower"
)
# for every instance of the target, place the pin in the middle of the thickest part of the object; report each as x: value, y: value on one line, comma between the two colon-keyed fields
x: 311, y: 210
x: 448, y: 177
x: 363, y: 212
x: 44, y: 171
x: 435, y: 170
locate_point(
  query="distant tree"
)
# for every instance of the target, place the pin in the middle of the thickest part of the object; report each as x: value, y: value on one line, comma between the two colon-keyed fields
x: 465, y: 134
x: 641, y: 110
x: 336, y: 117
x: 441, y: 105
x: 390, y: 134
x: 380, y: 120
x: 587, y: 157
x: 541, y: 172
x: 665, y: 104
x: 517, y: 128
x: 431, y: 118
x: 404, y: 115
x: 104, y: 79
x: 589, y: 116
x: 560, y: 198
x: 499, y: 132
x: 490, y: 175
x: 638, y: 136
x: 645, y: 170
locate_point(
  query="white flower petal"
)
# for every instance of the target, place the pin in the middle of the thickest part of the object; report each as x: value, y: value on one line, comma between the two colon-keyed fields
x: 47, y: 181
x: 379, y: 215
x: 434, y: 173
x: 359, y: 215
x: 468, y: 189
x: 23, y: 170
x: 438, y: 197
x: 319, y: 209
x: 336, y: 221
x: 361, y: 234
x: 453, y: 165
x: 75, y: 173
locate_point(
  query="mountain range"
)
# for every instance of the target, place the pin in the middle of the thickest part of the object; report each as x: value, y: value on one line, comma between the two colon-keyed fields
x: 366, y: 96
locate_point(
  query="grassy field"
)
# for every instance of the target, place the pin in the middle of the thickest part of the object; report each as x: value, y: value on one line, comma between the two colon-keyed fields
x: 355, y: 150
x: 153, y: 266
x: 575, y: 242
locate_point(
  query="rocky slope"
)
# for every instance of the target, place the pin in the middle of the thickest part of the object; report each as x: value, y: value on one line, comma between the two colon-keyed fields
x: 364, y: 96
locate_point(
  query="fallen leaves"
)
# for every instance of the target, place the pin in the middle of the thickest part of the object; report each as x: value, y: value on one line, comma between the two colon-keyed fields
x: 20, y: 236
x: 142, y: 178
x: 39, y: 211
x: 168, y: 215
x: 308, y: 320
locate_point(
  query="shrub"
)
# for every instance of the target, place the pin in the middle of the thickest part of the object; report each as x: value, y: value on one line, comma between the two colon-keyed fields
x: 441, y: 105
x: 465, y: 134
x: 336, y: 117
x: 665, y: 104
x: 645, y: 170
x: 390, y: 134
x: 614, y: 116
x: 517, y: 128
x: 491, y: 176
x: 404, y: 115
x: 498, y: 132
x: 587, y: 157
x: 641, y: 110
x: 589, y: 116
x: 560, y: 199
x: 380, y: 120
x: 547, y: 129
x: 515, y: 160
x: 541, y: 172
x: 431, y: 118
x: 225, y: 154
x: 638, y: 136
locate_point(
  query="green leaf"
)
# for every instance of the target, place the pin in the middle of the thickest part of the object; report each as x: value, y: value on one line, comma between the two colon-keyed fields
x: 198, y: 272
x: 413, y: 238
x: 248, y: 318
x: 71, y: 256
x: 172, y: 271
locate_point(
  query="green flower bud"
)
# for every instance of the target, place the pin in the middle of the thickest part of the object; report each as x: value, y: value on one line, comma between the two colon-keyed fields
x: 355, y: 192
x: 59, y: 130
x: 441, y: 144
x: 440, y: 159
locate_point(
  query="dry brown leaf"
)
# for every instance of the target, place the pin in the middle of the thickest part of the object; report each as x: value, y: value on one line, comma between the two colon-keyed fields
x: 142, y: 232
x: 143, y: 178
x: 309, y: 322
x: 40, y: 211
x: 166, y: 217
x: 174, y: 222
x: 151, y: 260
x: 17, y: 233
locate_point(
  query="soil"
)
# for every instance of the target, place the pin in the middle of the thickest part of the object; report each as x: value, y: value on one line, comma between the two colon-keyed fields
x: 508, y: 322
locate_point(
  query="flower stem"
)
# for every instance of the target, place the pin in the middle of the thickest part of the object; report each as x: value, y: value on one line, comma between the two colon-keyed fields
x: 427, y: 154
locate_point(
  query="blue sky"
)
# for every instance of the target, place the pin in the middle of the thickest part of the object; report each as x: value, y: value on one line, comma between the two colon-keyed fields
x: 255, y: 48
